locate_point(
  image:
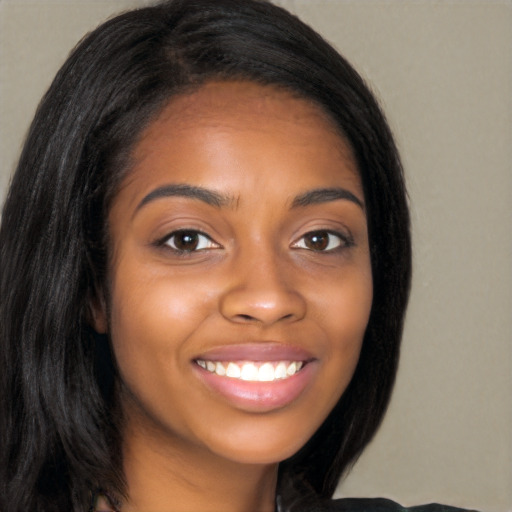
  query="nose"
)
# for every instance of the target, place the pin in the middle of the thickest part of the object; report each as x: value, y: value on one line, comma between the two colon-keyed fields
x: 262, y: 291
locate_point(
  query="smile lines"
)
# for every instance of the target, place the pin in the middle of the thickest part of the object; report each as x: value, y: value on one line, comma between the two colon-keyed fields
x: 252, y: 371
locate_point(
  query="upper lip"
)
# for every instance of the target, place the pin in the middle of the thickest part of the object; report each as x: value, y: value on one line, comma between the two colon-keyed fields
x: 263, y: 351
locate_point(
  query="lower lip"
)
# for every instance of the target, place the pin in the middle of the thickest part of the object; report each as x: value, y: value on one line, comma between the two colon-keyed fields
x: 259, y: 396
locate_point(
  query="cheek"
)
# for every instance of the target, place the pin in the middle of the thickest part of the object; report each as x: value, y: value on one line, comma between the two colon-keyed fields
x: 344, y: 311
x: 152, y: 316
x: 150, y: 303
x: 353, y: 308
x: 345, y: 303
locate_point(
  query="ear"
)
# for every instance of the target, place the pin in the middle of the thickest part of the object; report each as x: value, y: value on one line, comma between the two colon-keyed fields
x: 98, y: 314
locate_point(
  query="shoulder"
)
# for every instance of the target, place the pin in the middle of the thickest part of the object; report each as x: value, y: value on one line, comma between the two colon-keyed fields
x: 379, y: 505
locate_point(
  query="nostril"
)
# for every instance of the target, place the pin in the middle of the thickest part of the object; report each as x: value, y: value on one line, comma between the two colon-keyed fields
x: 250, y: 318
x: 246, y: 317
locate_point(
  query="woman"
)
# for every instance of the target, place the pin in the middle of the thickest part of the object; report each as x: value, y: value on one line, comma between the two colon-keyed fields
x: 205, y: 263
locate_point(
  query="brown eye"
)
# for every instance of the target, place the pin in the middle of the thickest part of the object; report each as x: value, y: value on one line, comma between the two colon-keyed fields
x: 189, y: 241
x: 317, y: 241
x: 321, y: 241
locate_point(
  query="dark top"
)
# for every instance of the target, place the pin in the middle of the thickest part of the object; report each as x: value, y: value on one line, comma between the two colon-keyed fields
x: 374, y: 505
x: 339, y: 505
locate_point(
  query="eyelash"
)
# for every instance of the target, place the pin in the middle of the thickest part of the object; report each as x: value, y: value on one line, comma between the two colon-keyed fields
x: 204, y: 242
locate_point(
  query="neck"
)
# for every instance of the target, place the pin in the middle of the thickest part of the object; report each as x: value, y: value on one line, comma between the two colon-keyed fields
x: 164, y: 476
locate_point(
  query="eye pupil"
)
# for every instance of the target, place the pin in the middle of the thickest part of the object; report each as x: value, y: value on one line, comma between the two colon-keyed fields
x: 186, y: 240
x: 318, y: 241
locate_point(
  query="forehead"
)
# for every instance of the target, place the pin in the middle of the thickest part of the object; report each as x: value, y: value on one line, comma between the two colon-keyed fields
x: 246, y: 128
x: 240, y: 103
x: 240, y: 106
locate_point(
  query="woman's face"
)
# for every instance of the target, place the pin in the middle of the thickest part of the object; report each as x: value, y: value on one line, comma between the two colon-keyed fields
x: 240, y: 273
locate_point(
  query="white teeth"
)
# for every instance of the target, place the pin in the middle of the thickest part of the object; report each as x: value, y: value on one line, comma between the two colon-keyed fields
x: 249, y: 372
x: 233, y: 370
x: 253, y: 371
x: 219, y: 369
x: 266, y: 373
x: 280, y: 371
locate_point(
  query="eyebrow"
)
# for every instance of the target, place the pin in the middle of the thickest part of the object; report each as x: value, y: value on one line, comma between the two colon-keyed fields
x: 325, y: 195
x: 183, y: 190
x: 213, y: 198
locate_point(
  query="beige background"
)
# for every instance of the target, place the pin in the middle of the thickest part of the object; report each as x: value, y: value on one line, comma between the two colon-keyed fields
x: 443, y: 72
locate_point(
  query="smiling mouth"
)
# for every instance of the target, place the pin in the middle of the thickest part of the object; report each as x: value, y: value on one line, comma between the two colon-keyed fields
x: 251, y: 371
x: 257, y: 377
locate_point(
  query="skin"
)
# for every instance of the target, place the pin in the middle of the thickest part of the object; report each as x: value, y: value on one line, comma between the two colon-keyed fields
x: 257, y: 277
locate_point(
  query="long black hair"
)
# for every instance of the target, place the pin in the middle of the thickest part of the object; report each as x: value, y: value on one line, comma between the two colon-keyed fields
x: 58, y: 422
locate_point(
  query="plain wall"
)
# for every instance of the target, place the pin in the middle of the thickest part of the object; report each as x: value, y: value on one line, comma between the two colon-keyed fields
x: 443, y: 73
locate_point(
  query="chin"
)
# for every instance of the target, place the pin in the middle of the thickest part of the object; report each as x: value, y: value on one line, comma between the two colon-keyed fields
x: 264, y: 446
